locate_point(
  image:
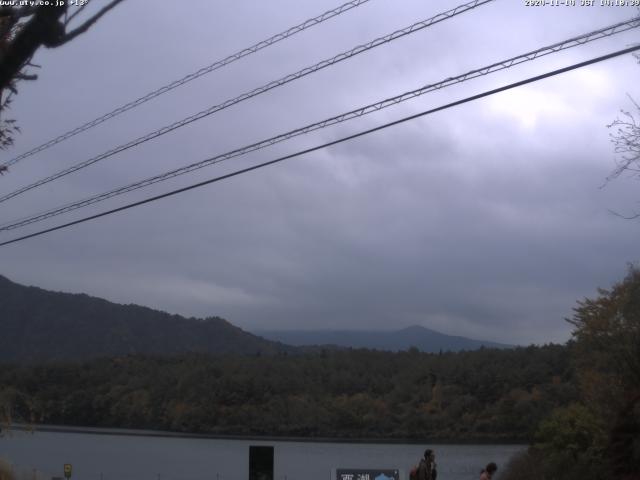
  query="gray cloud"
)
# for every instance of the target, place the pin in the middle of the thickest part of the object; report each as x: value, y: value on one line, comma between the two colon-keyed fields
x: 485, y: 220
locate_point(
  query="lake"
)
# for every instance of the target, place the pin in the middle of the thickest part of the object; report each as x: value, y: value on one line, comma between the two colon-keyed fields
x: 133, y: 456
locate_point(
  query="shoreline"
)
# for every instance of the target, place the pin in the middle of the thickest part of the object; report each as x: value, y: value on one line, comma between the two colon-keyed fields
x: 257, y: 438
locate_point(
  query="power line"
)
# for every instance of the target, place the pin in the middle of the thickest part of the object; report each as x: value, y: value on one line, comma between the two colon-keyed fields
x: 334, y: 142
x: 192, y: 76
x: 504, y: 64
x: 265, y: 88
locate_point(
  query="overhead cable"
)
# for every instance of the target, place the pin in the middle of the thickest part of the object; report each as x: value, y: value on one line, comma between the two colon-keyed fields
x: 257, y: 91
x: 329, y: 144
x: 374, y: 107
x: 192, y: 76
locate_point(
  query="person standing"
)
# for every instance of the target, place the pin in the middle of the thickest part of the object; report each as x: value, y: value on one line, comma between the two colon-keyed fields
x: 489, y: 470
x: 427, y: 468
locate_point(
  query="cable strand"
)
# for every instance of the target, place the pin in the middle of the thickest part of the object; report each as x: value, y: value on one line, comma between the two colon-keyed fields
x: 361, y: 111
x: 192, y: 76
x: 332, y: 143
x: 253, y: 93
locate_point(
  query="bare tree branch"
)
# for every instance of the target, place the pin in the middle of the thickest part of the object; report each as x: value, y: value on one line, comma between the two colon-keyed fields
x: 43, y: 28
x: 86, y: 25
x: 17, y: 12
x: 632, y: 217
x: 25, y: 76
x: 74, y: 14
x: 626, y: 142
x: 23, y: 30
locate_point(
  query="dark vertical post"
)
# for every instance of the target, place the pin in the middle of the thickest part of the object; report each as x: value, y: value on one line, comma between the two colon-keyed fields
x: 260, y: 462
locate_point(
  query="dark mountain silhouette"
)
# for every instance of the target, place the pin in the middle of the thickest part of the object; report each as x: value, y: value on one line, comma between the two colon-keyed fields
x: 423, y: 339
x: 39, y: 325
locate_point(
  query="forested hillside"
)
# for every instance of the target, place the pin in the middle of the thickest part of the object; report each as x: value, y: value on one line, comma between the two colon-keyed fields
x: 39, y: 325
x: 482, y: 395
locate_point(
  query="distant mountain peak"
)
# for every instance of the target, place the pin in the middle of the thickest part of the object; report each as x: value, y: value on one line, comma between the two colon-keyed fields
x: 422, y: 338
x: 416, y: 328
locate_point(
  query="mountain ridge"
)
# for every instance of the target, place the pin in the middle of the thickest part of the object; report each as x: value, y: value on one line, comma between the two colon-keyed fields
x: 41, y: 325
x: 422, y: 338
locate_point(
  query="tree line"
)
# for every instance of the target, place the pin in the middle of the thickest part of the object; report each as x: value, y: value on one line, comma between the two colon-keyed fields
x: 483, y: 395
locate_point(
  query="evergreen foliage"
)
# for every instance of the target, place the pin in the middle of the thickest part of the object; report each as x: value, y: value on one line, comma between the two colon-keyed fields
x: 486, y: 395
x: 599, y: 436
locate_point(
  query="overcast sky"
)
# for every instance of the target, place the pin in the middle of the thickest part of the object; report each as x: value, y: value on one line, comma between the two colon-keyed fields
x: 488, y: 220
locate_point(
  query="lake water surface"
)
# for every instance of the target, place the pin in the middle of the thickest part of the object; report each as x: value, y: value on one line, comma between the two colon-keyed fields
x: 135, y: 457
